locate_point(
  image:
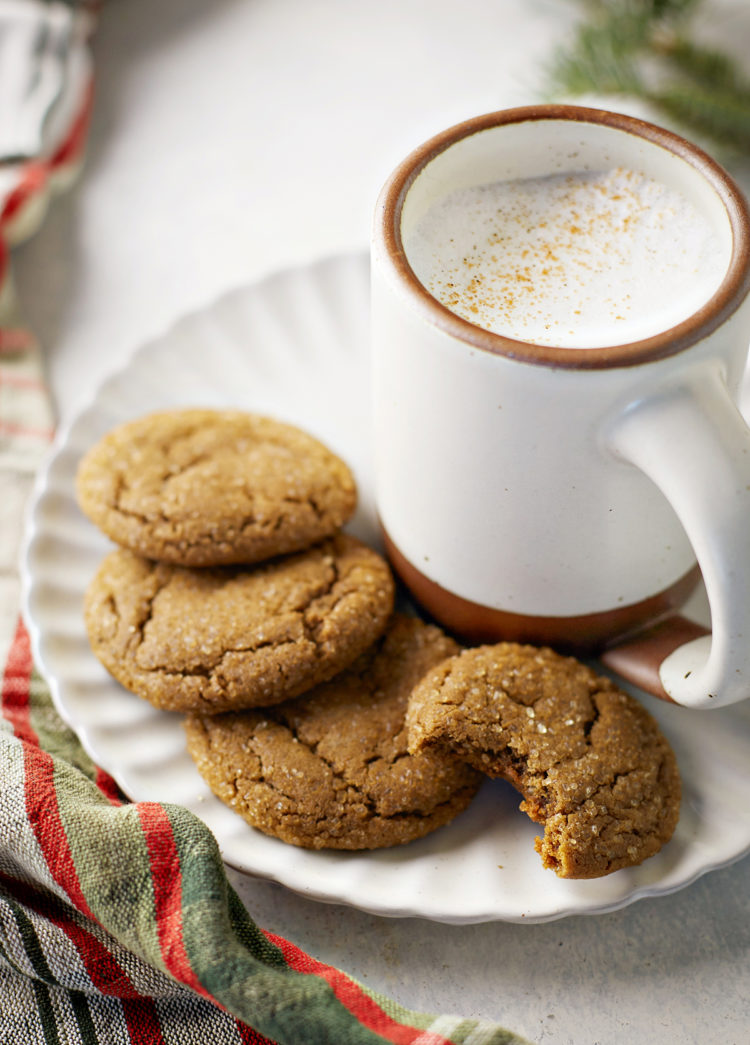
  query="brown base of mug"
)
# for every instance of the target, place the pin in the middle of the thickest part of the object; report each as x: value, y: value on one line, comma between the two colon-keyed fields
x: 631, y: 640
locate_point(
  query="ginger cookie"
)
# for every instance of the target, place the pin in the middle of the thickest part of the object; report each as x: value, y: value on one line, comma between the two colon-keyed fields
x: 331, y: 769
x: 591, y: 763
x: 213, y: 487
x: 224, y: 638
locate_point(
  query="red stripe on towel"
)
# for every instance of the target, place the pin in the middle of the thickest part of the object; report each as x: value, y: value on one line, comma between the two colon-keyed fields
x: 166, y: 878
x: 360, y: 1004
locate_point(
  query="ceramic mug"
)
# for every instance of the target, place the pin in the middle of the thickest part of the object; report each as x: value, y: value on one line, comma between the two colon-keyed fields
x: 561, y: 495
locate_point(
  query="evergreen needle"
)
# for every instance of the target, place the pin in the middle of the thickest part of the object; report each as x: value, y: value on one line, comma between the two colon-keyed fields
x: 644, y: 48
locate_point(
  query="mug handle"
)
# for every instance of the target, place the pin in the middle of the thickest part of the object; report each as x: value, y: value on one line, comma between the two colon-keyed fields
x: 690, y: 438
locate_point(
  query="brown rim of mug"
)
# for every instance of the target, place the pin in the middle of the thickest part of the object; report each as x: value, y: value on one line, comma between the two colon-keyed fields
x: 727, y: 298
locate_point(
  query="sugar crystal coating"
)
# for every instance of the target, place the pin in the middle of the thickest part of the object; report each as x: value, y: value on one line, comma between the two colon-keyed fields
x: 591, y: 763
x: 213, y: 487
x: 223, y: 638
x: 331, y: 769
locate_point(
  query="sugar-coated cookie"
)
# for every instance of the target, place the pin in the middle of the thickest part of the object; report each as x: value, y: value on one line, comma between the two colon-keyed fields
x: 213, y: 487
x: 591, y: 763
x: 224, y: 638
x: 331, y: 769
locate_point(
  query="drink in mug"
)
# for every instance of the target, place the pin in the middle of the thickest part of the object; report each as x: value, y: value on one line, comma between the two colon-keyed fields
x: 560, y: 321
x: 583, y: 259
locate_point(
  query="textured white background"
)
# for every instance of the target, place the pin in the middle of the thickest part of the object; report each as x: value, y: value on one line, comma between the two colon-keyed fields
x: 236, y: 137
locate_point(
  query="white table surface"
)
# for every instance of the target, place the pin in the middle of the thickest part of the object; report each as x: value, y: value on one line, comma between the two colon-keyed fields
x: 237, y: 137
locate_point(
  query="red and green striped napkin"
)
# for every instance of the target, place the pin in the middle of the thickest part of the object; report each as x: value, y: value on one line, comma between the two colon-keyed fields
x: 117, y: 922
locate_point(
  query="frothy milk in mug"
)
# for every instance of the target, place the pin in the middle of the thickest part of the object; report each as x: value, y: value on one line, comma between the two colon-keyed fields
x: 576, y: 260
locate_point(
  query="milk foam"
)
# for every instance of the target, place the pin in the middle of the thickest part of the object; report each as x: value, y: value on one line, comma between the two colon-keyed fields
x: 579, y: 260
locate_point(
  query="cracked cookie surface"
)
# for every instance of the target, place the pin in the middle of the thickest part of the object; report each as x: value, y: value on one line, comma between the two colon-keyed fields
x: 217, y: 639
x: 590, y: 761
x: 331, y: 769
x: 213, y: 487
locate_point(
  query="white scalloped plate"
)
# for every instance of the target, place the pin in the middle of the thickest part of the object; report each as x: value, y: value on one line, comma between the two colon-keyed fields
x: 295, y: 346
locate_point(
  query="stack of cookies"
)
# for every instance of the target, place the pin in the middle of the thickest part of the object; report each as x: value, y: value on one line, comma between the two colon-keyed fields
x: 235, y: 598
x: 313, y: 710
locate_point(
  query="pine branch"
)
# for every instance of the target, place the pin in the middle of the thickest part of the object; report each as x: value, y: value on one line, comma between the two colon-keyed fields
x: 643, y: 48
x: 599, y: 61
x: 712, y: 69
x: 673, y: 10
x: 661, y: 10
x: 717, y: 115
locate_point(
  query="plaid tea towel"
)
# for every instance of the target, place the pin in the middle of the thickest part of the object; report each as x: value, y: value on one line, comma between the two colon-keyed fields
x: 117, y: 922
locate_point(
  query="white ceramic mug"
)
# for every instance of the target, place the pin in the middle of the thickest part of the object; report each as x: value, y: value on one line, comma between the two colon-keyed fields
x: 562, y: 495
